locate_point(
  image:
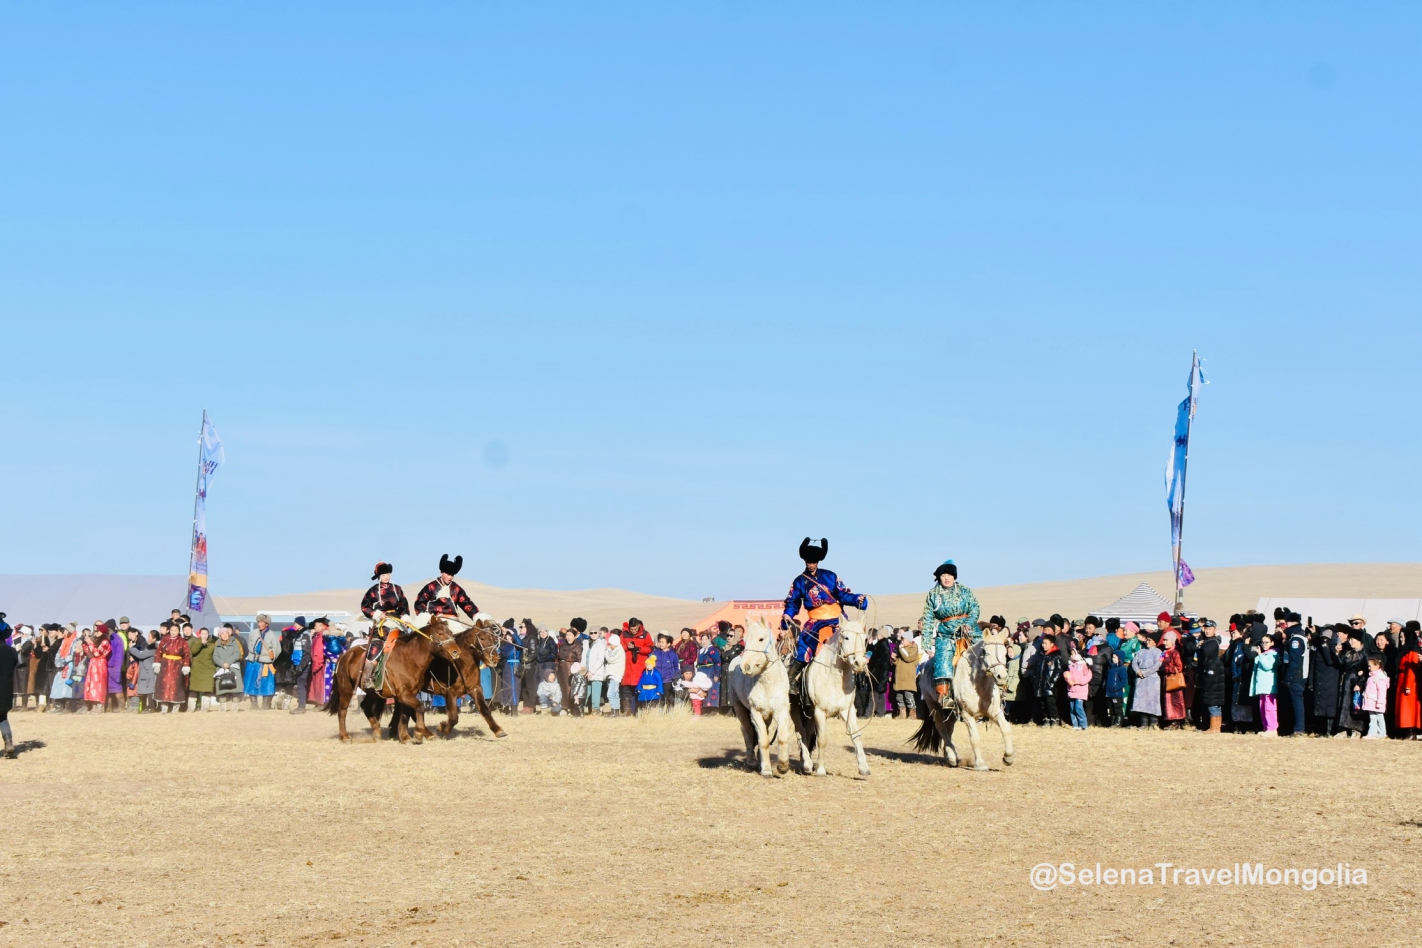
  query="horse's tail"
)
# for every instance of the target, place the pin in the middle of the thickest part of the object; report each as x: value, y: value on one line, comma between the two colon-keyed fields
x: 927, y: 737
x: 804, y: 723
x: 333, y: 703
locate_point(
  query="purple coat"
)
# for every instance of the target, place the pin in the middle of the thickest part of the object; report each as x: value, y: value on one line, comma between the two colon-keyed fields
x: 116, y: 663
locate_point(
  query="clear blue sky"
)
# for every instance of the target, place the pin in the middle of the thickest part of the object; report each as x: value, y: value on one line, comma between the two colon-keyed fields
x: 640, y: 295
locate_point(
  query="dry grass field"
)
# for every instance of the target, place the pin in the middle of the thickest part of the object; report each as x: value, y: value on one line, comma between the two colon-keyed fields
x: 261, y: 829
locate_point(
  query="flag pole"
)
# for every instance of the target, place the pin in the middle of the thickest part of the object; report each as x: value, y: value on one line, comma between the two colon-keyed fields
x: 197, y: 499
x: 1184, y: 472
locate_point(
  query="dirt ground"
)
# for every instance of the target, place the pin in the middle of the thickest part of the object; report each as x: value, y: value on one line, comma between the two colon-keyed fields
x: 261, y: 829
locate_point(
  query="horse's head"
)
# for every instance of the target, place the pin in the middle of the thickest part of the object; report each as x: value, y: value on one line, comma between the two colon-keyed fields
x: 443, y: 639
x: 995, y: 656
x: 483, y: 639
x: 853, y: 644
x: 759, y: 642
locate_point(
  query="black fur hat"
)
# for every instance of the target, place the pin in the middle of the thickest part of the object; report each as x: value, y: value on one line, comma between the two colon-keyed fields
x: 509, y: 623
x: 579, y: 624
x: 450, y: 566
x: 949, y: 567
x: 811, y: 553
x: 381, y: 569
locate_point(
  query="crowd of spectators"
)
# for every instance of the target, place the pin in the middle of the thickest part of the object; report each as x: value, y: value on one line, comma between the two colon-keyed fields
x: 1287, y: 678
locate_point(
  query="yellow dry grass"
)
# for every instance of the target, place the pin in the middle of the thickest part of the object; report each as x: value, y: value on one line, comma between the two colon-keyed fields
x: 260, y: 829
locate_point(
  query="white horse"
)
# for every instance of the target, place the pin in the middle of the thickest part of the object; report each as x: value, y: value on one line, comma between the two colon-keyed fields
x: 978, y: 679
x: 760, y: 693
x: 828, y: 684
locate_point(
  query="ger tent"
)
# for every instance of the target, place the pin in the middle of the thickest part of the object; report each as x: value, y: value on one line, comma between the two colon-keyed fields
x: 1142, y: 604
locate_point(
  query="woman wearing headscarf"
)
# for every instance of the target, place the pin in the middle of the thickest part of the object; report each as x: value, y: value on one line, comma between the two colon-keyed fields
x: 1172, y: 671
x: 1407, y: 714
x: 61, y: 689
x: 96, y: 678
x: 1145, y: 671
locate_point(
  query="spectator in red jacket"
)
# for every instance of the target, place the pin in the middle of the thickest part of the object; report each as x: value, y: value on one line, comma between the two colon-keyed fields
x: 637, y: 644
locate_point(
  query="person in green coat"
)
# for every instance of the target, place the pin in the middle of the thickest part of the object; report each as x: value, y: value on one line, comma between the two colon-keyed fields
x: 1132, y: 642
x: 200, y: 678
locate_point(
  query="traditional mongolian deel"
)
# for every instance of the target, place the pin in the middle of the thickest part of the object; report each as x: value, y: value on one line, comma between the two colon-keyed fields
x: 949, y: 613
x: 442, y: 598
x: 822, y: 595
x: 173, y: 659
x: 387, y: 598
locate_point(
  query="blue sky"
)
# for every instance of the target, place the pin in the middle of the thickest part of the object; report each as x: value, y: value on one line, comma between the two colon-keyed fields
x: 640, y: 295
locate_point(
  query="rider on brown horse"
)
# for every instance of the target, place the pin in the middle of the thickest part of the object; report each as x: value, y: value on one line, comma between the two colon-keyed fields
x: 380, y: 600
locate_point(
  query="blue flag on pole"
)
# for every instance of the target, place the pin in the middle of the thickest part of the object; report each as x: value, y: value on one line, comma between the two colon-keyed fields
x: 210, y: 459
x: 1179, y: 455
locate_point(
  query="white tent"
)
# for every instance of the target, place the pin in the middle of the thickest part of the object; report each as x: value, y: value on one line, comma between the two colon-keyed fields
x: 1142, y: 604
x: 1331, y: 611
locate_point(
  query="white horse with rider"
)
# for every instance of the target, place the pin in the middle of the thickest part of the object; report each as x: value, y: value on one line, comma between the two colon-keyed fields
x: 827, y: 691
x: 760, y: 694
x: 979, y: 675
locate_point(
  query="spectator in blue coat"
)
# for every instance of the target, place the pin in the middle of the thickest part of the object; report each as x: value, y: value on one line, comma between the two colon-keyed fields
x: 649, y: 686
x: 668, y: 664
x: 1117, y: 684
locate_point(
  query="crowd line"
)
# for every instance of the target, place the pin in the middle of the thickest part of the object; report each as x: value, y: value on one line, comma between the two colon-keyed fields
x: 1331, y: 680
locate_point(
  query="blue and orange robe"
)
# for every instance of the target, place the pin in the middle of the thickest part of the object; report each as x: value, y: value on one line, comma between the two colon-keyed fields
x: 823, y: 596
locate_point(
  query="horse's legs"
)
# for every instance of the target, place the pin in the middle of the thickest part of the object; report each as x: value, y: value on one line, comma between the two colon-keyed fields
x: 783, y: 730
x: 945, y: 719
x: 343, y: 702
x: 851, y: 724
x: 820, y: 722
x: 1000, y: 719
x: 487, y: 714
x: 974, y: 738
x: 451, y: 716
x: 762, y: 742
x: 748, y: 732
x: 421, y: 732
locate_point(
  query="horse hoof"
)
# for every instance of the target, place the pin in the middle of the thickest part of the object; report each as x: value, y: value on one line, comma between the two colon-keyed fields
x: 821, y: 772
x: 863, y: 771
x: 766, y: 773
x: 981, y: 768
x: 782, y: 768
x: 1007, y: 760
x: 501, y: 733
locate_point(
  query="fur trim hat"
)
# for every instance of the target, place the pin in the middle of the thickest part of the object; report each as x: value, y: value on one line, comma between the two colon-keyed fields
x: 380, y: 570
x: 949, y: 567
x: 811, y: 553
x: 579, y: 623
x: 450, y: 566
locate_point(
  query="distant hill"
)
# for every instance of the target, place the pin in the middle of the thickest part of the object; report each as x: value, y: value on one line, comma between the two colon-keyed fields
x: 1217, y: 592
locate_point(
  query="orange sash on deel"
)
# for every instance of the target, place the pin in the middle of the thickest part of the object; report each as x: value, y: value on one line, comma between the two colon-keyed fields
x: 820, y: 613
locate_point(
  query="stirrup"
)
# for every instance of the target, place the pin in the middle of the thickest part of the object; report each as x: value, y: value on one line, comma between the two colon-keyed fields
x: 943, y: 688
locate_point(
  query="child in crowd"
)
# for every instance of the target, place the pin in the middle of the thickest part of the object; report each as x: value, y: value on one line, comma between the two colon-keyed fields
x: 577, y: 688
x: 550, y: 696
x: 1375, y: 698
x: 1262, y: 686
x: 700, y: 688
x: 649, y: 688
x: 682, y: 689
x: 1078, y: 679
x: 1116, y: 684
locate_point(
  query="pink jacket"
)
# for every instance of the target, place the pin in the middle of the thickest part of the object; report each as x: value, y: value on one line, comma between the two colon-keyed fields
x: 1375, y: 694
x: 1078, y: 679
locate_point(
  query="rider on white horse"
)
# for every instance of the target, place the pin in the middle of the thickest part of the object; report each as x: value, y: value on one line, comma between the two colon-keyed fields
x: 821, y: 593
x: 950, y: 612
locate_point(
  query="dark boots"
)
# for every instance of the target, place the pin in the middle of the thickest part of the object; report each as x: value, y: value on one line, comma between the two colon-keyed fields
x: 797, y: 671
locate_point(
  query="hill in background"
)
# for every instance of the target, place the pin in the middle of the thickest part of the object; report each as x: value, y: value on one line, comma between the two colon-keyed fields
x: 1216, y: 593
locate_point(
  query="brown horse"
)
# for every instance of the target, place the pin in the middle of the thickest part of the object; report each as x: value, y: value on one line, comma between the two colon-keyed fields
x: 406, y: 664
x: 478, y: 646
